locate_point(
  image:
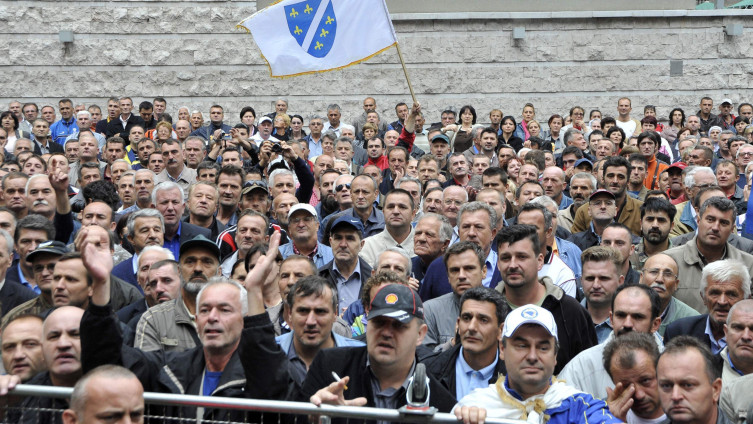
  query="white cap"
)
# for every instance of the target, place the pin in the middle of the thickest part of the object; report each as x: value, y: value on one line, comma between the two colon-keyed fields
x: 264, y: 118
x: 726, y: 101
x: 529, y: 314
x: 302, y: 206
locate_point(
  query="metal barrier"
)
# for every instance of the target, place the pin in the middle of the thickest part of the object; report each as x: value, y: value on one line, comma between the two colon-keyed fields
x: 256, y: 410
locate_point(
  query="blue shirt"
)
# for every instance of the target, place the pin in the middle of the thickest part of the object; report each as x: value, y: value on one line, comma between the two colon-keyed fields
x: 26, y: 283
x: 716, y: 346
x: 565, y: 202
x: 322, y: 257
x: 491, y: 265
x: 61, y: 129
x: 467, y: 379
x: 210, y: 383
x: 174, y: 244
x: 349, y: 287
x: 315, y: 149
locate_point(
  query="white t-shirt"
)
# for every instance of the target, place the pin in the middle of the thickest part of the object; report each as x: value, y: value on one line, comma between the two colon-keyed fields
x: 634, y: 419
x: 628, y: 127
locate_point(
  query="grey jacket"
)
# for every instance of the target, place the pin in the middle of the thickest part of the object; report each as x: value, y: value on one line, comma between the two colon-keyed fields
x: 441, y: 314
x: 166, y: 327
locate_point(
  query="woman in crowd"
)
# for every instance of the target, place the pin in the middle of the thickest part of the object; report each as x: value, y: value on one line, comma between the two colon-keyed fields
x: 9, y: 123
x: 555, y: 134
x: 462, y: 139
x: 740, y: 123
x: 508, y: 126
x: 617, y: 135
x: 163, y: 131
x: 522, y: 131
x: 281, y: 130
x: 248, y: 117
x: 676, y: 123
x: 296, y: 127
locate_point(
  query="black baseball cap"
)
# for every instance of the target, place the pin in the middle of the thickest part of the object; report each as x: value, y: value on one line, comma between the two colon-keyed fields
x: 49, y: 248
x: 200, y: 241
x: 398, y: 302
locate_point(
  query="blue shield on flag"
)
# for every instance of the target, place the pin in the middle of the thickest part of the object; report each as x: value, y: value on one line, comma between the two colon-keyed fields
x: 313, y: 25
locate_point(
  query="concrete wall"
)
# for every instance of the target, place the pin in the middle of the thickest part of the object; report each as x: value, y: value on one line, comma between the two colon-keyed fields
x: 191, y: 53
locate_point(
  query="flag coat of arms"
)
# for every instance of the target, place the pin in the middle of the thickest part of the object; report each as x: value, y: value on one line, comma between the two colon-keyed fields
x: 300, y: 37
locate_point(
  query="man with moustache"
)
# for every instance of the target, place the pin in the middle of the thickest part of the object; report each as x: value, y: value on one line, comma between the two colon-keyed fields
x: 169, y: 326
x: 634, y: 308
x: 660, y: 273
x: 327, y: 203
x: 582, y: 185
x: 657, y: 220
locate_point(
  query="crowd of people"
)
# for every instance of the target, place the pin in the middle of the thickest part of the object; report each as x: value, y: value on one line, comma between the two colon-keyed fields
x: 592, y: 269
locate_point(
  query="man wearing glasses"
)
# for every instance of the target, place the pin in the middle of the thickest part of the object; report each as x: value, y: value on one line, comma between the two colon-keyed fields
x: 660, y: 274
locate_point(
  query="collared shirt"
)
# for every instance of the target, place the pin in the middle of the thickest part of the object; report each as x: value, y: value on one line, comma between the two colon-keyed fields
x: 491, y: 265
x: 603, y: 329
x: 716, y: 346
x: 348, y: 288
x: 174, y: 244
x: 124, y: 122
x: 315, y: 147
x: 388, y: 398
x: 135, y: 263
x: 467, y: 379
x: 729, y: 361
x: 565, y: 202
x: 26, y: 282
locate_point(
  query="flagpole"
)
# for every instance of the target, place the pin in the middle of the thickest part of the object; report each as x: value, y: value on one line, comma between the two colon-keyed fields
x: 405, y: 70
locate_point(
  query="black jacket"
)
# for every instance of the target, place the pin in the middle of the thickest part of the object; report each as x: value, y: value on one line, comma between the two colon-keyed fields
x: 689, y: 326
x: 39, y: 409
x: 115, y: 127
x: 189, y: 231
x: 168, y: 372
x: 13, y: 292
x: 442, y: 367
x: 274, y: 381
x: 51, y: 145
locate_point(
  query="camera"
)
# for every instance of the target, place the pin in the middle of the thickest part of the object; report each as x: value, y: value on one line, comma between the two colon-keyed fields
x: 276, y: 147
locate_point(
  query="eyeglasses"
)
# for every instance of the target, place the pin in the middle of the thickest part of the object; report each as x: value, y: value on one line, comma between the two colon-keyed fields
x: 307, y: 219
x: 341, y: 187
x: 667, y: 274
x: 40, y: 268
x: 745, y: 154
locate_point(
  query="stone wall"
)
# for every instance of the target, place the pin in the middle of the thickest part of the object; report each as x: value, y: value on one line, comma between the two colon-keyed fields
x: 191, y: 53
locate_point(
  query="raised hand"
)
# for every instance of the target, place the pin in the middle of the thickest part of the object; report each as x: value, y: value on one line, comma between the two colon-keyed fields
x: 620, y: 400
x: 58, y: 177
x: 94, y: 244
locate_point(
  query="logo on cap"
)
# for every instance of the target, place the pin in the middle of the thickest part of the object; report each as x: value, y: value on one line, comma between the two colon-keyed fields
x: 391, y: 299
x: 529, y: 313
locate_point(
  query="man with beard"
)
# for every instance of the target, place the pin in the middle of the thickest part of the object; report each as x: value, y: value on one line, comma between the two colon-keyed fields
x: 634, y: 308
x: 582, y: 185
x: 328, y: 202
x: 723, y: 284
x: 169, y: 326
x: 615, y: 171
x: 660, y: 274
x: 145, y: 228
x: 657, y: 220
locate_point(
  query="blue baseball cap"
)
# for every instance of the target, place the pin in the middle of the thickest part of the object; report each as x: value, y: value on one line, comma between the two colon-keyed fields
x: 353, y: 222
x: 582, y: 161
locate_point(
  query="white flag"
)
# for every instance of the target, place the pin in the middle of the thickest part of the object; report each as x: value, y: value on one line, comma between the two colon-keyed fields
x: 299, y: 37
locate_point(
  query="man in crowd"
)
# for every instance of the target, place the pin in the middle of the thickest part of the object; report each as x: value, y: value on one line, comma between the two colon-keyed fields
x: 553, y: 181
x: 530, y: 344
x: 722, y: 284
x: 125, y: 121
x: 146, y: 227
x: 362, y: 192
x: 519, y: 262
x: 618, y: 237
x: 737, y: 357
x: 635, y: 308
x: 346, y: 271
x: 22, y: 346
x: 657, y: 219
x: 303, y: 227
x: 430, y: 240
x: 167, y: 198
x: 175, y: 166
x: 479, y: 326
x: 399, y: 209
x: 602, y: 210
x: 600, y: 281
x: 716, y: 220
x: 464, y: 262
x: 660, y: 273
x: 582, y: 184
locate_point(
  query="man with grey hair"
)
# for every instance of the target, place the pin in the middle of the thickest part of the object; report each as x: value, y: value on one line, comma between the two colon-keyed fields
x: 314, y: 138
x: 716, y: 221
x: 695, y: 179
x: 344, y: 151
x: 431, y: 238
x: 722, y: 284
x: 737, y: 357
x: 553, y: 182
x: 477, y: 223
x: 576, y: 138
x: 568, y: 251
x: 553, y: 267
x: 208, y: 368
x: 582, y: 185
x: 167, y: 198
x: 146, y: 227
x: 149, y: 256
x: 333, y: 120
